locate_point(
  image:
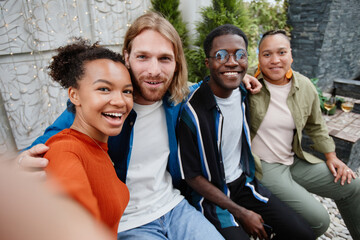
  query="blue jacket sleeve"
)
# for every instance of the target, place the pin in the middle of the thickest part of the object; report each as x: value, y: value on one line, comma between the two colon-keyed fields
x: 65, y: 120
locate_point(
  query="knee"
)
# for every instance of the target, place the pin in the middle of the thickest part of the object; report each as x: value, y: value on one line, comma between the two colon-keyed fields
x: 308, y: 226
x: 320, y: 222
x: 317, y: 218
x: 297, y: 229
x: 305, y: 233
x: 349, y: 192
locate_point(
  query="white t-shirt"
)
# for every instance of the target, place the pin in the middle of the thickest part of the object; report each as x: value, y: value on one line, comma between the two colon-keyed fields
x: 150, y: 185
x: 231, y: 135
x: 273, y: 140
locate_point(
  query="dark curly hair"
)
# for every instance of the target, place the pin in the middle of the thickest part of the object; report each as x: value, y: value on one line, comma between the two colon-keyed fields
x: 67, y: 67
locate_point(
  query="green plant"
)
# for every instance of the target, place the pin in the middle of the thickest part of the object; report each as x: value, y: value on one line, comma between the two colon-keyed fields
x: 323, y: 98
x: 253, y: 18
x: 170, y: 10
x: 268, y: 15
x: 219, y: 13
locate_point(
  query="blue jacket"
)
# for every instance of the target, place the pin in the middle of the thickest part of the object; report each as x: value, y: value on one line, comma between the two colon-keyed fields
x: 120, y: 146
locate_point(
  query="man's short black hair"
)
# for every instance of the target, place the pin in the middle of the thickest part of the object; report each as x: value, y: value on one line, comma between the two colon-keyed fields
x: 226, y: 29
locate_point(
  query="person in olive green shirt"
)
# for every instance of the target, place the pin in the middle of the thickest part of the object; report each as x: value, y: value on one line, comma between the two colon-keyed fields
x: 286, y: 105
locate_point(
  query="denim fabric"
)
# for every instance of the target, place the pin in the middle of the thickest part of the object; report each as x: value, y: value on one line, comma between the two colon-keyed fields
x: 182, y: 222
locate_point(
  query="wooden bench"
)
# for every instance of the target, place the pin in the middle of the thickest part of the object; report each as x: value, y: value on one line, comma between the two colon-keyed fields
x: 346, y: 134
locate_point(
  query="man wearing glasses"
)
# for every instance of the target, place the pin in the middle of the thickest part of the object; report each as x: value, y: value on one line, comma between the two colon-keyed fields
x: 215, y: 154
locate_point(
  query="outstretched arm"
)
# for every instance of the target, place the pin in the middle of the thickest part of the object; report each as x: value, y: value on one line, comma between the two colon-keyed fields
x: 26, y: 205
x: 251, y: 221
x: 31, y: 160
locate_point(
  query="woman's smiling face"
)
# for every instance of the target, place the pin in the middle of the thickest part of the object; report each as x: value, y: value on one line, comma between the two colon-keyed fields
x: 103, y: 98
x: 275, y: 58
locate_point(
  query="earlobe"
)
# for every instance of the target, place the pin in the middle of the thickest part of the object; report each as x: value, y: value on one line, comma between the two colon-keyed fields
x: 207, y: 62
x: 74, y: 96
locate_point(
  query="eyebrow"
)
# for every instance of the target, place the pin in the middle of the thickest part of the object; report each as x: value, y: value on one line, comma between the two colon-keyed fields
x: 110, y: 83
x: 102, y: 81
x: 162, y: 54
x: 280, y: 48
x: 228, y: 50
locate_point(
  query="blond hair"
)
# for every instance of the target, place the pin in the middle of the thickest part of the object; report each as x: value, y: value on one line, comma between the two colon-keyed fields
x: 154, y: 21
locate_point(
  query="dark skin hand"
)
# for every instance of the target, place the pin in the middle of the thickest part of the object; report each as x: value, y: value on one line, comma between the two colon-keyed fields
x: 252, y: 84
x: 251, y: 222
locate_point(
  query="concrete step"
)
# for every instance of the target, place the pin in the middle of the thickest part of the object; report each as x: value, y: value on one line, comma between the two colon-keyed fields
x: 347, y: 87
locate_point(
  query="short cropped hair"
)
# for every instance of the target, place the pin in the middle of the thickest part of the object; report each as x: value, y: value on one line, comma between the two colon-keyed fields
x: 274, y: 32
x: 225, y: 29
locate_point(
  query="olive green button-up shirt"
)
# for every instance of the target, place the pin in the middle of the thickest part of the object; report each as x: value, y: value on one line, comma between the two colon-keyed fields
x: 304, y: 105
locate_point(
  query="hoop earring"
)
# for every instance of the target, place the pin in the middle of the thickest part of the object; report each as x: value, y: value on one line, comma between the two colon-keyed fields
x: 258, y: 71
x: 289, y: 74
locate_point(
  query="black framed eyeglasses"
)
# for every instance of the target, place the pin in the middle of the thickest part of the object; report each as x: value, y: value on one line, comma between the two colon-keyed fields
x: 222, y: 56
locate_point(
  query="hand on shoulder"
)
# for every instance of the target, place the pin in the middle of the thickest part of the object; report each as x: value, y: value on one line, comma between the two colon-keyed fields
x: 252, y: 84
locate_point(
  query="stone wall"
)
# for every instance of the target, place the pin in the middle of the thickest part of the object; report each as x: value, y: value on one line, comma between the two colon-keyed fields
x: 326, y: 39
x: 30, y: 31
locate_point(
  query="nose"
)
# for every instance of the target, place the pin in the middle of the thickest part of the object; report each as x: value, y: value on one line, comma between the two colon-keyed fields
x: 275, y: 59
x: 117, y: 99
x: 232, y: 60
x: 154, y: 67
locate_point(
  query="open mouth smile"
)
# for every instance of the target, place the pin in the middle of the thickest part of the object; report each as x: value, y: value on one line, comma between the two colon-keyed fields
x: 112, y: 115
x: 231, y: 73
x: 153, y: 83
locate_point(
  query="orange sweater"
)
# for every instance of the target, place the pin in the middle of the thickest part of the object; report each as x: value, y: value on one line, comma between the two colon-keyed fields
x: 87, y: 175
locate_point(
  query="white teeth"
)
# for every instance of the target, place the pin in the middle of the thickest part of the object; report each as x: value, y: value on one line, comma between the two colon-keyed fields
x: 230, y: 73
x: 153, y: 82
x: 114, y: 114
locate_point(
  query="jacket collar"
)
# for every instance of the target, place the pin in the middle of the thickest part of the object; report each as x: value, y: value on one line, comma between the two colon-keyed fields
x: 294, y: 82
x: 206, y: 93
